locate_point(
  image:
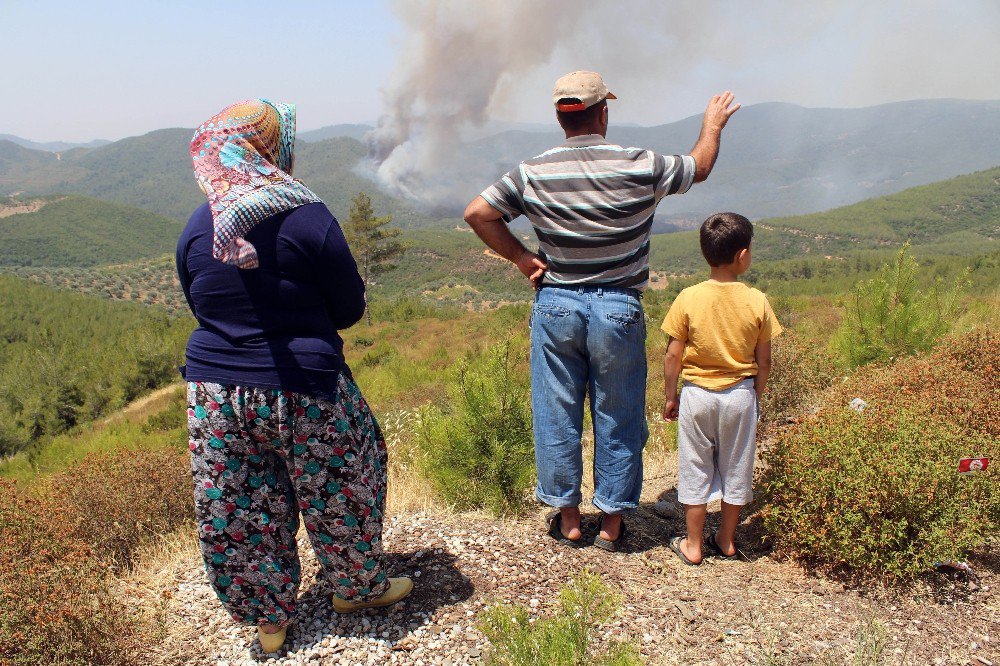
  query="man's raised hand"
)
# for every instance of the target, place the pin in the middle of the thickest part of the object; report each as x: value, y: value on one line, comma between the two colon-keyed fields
x: 719, y: 111
x: 532, y: 267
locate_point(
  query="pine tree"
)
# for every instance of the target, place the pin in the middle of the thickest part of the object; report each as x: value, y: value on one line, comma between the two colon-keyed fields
x: 373, y: 243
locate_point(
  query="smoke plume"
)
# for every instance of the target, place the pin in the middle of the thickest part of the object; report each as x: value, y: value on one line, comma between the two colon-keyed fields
x: 463, y: 64
x: 456, y: 60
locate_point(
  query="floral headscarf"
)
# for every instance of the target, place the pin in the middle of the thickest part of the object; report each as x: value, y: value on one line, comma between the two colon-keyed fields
x: 243, y: 162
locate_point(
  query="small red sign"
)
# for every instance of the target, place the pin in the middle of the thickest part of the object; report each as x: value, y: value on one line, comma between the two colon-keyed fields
x: 969, y: 465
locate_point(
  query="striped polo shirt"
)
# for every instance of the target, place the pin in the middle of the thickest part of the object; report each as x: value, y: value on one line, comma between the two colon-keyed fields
x: 591, y: 204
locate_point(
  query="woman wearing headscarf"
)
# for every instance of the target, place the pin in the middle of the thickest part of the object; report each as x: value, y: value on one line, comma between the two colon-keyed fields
x: 277, y: 426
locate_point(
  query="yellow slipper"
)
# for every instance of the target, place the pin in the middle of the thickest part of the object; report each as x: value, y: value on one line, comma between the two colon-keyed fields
x: 272, y: 642
x: 399, y: 588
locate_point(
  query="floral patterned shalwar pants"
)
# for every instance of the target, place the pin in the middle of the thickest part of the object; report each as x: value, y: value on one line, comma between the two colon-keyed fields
x: 259, y: 458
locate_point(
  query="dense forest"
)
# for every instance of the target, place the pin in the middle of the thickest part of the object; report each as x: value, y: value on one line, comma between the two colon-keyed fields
x: 81, y: 231
x: 67, y: 358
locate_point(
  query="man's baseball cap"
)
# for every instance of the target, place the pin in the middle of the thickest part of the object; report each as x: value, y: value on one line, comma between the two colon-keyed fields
x: 588, y: 87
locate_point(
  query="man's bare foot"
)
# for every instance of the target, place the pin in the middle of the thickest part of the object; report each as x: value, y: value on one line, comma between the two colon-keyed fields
x: 691, y: 551
x: 569, y: 518
x: 611, y: 527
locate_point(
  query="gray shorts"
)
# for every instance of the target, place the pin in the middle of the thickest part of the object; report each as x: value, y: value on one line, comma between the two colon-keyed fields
x: 716, y: 443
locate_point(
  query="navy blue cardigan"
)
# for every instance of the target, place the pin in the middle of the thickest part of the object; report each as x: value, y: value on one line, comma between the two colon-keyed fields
x: 274, y: 326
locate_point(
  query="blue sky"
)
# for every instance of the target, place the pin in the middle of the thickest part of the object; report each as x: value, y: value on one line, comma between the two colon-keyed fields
x: 107, y: 69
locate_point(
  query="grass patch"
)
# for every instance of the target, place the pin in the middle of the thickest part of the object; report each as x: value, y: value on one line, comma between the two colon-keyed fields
x: 564, y: 639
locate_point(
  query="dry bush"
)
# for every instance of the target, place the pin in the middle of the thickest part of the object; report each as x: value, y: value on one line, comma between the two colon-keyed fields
x: 878, y: 493
x: 113, y: 502
x: 63, y: 540
x: 55, y: 605
x: 801, y: 371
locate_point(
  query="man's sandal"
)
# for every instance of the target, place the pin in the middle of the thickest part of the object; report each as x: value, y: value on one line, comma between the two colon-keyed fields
x: 611, y: 546
x: 675, y: 545
x: 713, y: 546
x: 555, y: 531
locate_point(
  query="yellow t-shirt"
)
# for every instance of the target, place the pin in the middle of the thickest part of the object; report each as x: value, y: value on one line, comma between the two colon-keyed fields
x: 720, y: 324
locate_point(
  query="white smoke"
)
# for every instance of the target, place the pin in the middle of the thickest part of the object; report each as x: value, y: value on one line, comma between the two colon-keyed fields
x: 462, y: 62
x: 465, y: 63
x: 457, y: 58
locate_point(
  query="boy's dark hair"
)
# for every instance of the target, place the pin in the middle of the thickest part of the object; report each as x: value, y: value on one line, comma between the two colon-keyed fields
x: 723, y: 235
x: 575, y: 121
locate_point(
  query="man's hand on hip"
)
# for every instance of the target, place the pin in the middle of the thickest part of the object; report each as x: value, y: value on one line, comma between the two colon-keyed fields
x: 532, y: 267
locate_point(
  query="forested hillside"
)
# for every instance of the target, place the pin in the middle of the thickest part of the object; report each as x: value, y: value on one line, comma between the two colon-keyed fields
x: 777, y: 159
x: 153, y: 172
x: 80, y: 231
x: 960, y: 216
x: 951, y: 224
x: 67, y: 358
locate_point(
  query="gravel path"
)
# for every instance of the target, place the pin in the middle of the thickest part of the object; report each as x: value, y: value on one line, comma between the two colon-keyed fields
x: 754, y: 611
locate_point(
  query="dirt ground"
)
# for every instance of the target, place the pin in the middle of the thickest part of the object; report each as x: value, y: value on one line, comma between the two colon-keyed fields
x: 757, y: 610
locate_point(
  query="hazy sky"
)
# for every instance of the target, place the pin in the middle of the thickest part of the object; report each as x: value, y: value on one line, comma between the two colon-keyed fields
x: 77, y: 71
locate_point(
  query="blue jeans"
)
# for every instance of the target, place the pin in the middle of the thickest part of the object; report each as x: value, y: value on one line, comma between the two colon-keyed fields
x: 589, y: 338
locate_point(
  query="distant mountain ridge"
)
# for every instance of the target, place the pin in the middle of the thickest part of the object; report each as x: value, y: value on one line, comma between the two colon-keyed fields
x: 782, y: 159
x: 153, y: 172
x: 957, y: 217
x: 52, y: 146
x: 349, y: 130
x: 776, y: 160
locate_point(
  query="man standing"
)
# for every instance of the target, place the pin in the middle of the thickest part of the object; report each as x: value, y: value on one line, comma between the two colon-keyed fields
x: 591, y: 204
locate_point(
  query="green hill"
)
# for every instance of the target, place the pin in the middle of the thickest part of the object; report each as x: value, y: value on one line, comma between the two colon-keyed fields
x: 951, y: 224
x: 929, y: 214
x: 777, y: 159
x: 960, y: 216
x: 80, y: 231
x: 153, y: 172
x: 67, y: 358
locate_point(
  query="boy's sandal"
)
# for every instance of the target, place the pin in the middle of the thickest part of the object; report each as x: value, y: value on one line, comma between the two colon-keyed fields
x: 675, y: 545
x: 611, y: 546
x: 713, y: 546
x: 555, y: 531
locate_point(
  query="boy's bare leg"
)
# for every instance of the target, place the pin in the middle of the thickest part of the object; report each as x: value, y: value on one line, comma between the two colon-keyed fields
x: 694, y: 514
x: 570, y: 520
x: 727, y: 531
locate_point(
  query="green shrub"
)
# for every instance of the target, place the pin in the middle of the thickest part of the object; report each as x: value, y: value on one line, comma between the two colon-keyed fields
x: 877, y: 492
x: 562, y: 640
x: 479, y: 446
x: 378, y: 355
x: 870, y: 642
x: 892, y: 315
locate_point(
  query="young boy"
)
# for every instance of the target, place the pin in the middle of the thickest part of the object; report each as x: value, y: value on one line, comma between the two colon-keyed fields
x: 720, y: 334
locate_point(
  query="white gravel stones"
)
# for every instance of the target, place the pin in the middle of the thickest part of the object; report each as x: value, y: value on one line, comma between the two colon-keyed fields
x: 436, y: 626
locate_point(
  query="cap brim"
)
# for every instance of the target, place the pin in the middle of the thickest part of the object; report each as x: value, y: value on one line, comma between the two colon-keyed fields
x: 611, y: 95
